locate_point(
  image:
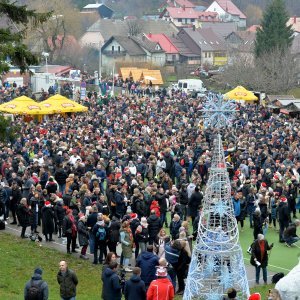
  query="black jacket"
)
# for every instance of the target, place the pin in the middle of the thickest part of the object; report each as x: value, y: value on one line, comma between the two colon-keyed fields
x: 114, y: 231
x: 48, y: 220
x: 283, y: 213
x: 59, y: 213
x: 61, y: 176
x: 67, y: 284
x: 194, y: 203
x: 135, y: 289
x: 161, y: 198
x: 256, y: 253
x: 111, y: 289
x: 23, y: 214
x: 153, y: 225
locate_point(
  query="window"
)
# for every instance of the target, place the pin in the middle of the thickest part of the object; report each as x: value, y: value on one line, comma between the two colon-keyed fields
x: 112, y: 49
x: 180, y: 85
x: 192, y: 20
x: 184, y: 85
x: 209, y: 54
x: 119, y: 49
x: 173, y: 57
x: 180, y: 20
x: 205, y: 54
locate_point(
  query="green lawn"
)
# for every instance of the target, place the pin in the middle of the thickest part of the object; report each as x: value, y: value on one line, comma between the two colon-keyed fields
x: 19, y: 258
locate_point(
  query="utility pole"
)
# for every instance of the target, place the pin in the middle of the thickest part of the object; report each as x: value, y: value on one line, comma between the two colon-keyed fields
x: 100, y: 63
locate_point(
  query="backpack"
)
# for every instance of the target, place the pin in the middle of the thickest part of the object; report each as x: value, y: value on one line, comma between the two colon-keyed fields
x: 276, y: 277
x: 101, y: 234
x: 35, y: 292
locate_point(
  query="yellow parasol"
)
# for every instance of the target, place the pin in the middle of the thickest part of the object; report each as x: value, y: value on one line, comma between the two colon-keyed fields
x: 240, y: 93
x: 60, y: 104
x: 22, y: 106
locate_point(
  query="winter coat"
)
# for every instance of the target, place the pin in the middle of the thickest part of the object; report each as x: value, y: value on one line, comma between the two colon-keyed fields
x: 153, y: 225
x: 113, y: 231
x: 61, y: 176
x: 174, y: 229
x: 127, y: 243
x: 161, y: 289
x: 23, y: 214
x: 67, y: 283
x: 273, y: 205
x: 111, y: 289
x: 133, y: 226
x: 256, y: 253
x: 51, y: 187
x: 194, y: 203
x: 120, y: 204
x: 36, y: 279
x: 83, y: 234
x: 59, y: 213
x: 236, y: 207
x: 16, y: 197
x: 162, y: 201
x: 91, y: 220
x: 140, y: 207
x: 143, y: 236
x: 290, y: 232
x: 154, y: 206
x: 135, y: 288
x: 147, y: 261
x: 283, y: 213
x: 48, y: 220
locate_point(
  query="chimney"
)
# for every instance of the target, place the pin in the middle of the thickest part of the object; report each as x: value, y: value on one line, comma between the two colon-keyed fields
x: 183, y: 7
x: 295, y: 19
x: 150, y: 34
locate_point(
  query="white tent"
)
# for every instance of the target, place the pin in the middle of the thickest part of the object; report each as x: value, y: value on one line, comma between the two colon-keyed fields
x: 289, y: 286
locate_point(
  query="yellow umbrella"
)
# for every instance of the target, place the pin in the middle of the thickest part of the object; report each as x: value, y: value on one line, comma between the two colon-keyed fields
x: 22, y: 106
x: 240, y: 93
x: 60, y: 104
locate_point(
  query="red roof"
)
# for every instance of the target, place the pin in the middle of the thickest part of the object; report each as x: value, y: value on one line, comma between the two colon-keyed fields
x: 185, y: 3
x: 253, y: 28
x: 208, y: 15
x: 163, y: 41
x: 186, y: 13
x: 231, y: 8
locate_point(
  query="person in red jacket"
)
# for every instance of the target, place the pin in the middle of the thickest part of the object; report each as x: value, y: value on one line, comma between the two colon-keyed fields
x: 161, y: 288
x: 155, y: 206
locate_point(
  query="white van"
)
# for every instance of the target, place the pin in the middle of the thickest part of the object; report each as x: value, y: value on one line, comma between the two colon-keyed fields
x: 191, y: 86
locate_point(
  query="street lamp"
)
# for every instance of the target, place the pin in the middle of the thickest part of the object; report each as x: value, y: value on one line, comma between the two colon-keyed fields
x: 46, y: 55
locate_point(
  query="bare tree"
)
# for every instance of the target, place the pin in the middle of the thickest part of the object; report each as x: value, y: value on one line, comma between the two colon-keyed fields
x: 135, y: 27
x: 275, y: 72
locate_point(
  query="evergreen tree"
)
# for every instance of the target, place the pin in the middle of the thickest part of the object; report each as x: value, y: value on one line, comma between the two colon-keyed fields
x: 274, y: 33
x: 17, y: 19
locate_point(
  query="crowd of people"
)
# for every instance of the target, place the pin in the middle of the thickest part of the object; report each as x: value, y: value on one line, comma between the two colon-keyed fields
x: 132, y: 172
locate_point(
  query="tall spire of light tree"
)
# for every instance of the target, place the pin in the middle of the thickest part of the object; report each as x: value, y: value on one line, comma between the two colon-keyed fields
x: 217, y: 260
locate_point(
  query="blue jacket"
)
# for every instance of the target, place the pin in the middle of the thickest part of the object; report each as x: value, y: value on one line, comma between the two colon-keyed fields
x: 111, y: 289
x: 147, y: 261
x: 135, y: 288
x: 236, y: 207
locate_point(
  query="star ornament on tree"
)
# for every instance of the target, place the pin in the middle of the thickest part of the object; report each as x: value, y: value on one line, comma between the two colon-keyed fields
x: 217, y: 112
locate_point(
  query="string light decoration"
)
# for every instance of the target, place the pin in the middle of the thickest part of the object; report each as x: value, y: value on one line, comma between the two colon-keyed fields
x: 217, y: 262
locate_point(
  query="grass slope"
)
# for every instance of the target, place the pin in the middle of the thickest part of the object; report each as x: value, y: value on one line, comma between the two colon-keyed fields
x: 18, y: 259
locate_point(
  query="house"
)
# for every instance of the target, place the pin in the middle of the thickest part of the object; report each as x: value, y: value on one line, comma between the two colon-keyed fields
x: 103, y: 10
x: 131, y: 49
x: 228, y: 12
x: 172, y: 53
x: 185, y: 17
x: 212, y: 48
x: 176, y: 3
x: 241, y: 41
x: 295, y: 22
x: 253, y: 28
x: 103, y: 29
x: 220, y: 28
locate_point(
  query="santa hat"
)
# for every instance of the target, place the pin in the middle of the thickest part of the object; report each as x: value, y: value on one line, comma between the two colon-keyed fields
x: 48, y: 203
x: 161, y: 272
x: 264, y: 185
x: 283, y: 199
x: 275, y: 177
x: 237, y: 172
x: 255, y: 296
x: 133, y: 216
x: 126, y: 169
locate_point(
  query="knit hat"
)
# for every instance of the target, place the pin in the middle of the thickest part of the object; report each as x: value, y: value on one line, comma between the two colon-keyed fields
x: 144, y: 222
x: 255, y: 296
x: 264, y: 184
x: 38, y: 270
x: 161, y: 272
x: 231, y: 293
x: 47, y: 203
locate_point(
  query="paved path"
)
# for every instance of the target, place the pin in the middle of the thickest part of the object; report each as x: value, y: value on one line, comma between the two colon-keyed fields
x: 60, y: 246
